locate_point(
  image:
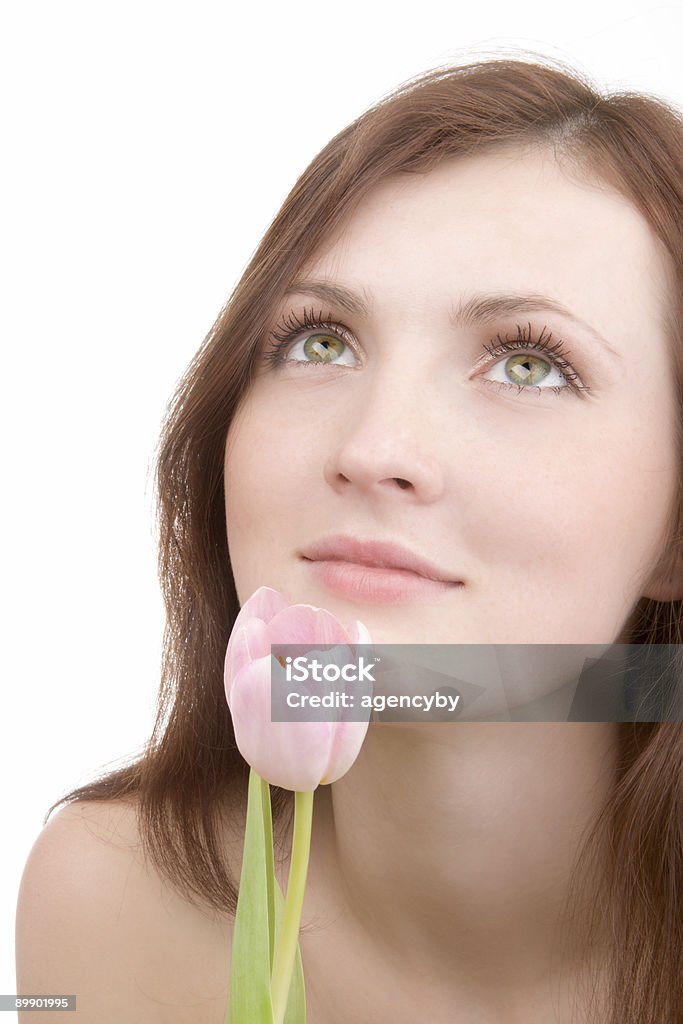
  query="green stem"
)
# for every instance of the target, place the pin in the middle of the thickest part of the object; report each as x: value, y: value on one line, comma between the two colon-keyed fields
x: 285, y: 949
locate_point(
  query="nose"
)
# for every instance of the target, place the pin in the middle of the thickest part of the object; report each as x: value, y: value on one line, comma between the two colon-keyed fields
x: 387, y: 443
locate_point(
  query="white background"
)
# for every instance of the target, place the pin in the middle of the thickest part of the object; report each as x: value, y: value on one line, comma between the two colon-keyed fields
x: 145, y: 148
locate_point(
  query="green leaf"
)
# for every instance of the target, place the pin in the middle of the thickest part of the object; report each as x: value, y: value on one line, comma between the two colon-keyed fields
x: 296, y: 1001
x: 252, y: 943
x: 270, y: 865
x: 260, y: 908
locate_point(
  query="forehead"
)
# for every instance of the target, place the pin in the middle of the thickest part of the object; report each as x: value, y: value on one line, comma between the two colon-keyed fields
x: 511, y: 220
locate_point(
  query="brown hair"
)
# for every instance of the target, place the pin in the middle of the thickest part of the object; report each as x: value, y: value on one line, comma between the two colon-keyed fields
x: 631, y: 142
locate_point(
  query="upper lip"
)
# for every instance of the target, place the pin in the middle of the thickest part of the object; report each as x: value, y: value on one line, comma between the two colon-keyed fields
x: 379, y: 553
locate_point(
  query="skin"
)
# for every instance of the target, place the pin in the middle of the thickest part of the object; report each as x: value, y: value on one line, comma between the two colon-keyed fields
x: 533, y: 500
x: 551, y: 508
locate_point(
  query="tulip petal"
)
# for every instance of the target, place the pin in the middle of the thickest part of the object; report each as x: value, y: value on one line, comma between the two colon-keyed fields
x: 292, y: 755
x: 246, y: 644
x: 263, y: 604
x: 306, y: 624
x: 358, y: 633
x: 347, y: 740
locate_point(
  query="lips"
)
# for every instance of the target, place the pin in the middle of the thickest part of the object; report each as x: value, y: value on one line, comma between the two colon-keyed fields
x: 376, y: 553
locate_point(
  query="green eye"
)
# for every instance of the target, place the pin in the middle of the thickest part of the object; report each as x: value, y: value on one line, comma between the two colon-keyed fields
x: 516, y: 363
x: 526, y: 369
x: 310, y: 341
x: 325, y: 346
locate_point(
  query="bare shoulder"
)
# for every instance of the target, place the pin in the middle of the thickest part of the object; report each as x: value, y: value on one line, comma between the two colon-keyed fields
x: 82, y: 836
x: 95, y: 919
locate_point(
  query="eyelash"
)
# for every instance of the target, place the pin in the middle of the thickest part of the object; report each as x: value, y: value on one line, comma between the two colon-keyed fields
x: 289, y: 330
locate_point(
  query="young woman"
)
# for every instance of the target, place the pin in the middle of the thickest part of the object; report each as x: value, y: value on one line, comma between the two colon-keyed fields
x: 462, y: 335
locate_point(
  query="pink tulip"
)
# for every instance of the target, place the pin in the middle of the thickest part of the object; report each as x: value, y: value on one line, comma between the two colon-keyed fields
x: 294, y: 755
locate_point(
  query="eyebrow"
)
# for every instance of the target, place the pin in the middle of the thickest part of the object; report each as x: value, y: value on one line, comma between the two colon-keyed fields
x: 344, y: 297
x: 471, y: 311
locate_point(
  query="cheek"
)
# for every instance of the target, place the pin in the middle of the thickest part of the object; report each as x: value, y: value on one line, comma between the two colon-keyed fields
x: 263, y: 489
x: 248, y: 488
x: 253, y: 461
x: 587, y: 505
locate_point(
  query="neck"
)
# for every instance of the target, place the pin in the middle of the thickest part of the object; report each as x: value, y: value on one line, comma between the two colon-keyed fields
x: 453, y: 844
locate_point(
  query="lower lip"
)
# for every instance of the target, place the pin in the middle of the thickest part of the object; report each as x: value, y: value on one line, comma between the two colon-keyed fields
x: 372, y: 583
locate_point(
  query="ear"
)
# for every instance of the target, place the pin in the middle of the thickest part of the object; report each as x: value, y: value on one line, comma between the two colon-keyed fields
x: 666, y: 582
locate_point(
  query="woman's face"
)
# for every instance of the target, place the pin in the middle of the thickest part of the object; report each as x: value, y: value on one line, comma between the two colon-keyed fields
x: 537, y: 478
